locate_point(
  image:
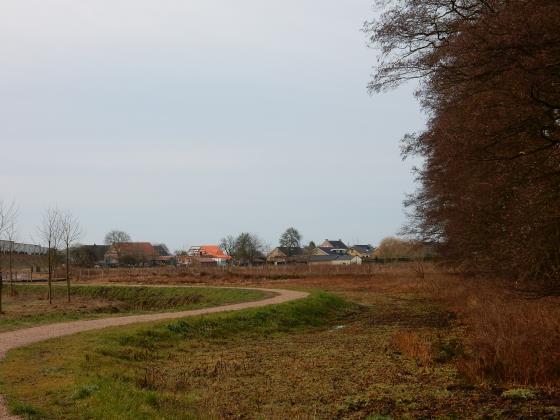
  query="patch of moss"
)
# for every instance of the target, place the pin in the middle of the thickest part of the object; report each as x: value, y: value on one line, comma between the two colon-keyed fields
x: 519, y: 394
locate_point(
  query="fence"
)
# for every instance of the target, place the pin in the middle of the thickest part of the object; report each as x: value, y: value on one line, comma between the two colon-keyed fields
x: 208, y: 273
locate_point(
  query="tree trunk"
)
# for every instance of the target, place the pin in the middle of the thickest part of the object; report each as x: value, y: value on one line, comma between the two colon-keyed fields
x: 10, y: 269
x: 50, y: 275
x: 67, y: 273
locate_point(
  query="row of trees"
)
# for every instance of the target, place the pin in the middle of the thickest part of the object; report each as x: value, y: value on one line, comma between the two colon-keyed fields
x: 58, y: 231
x: 490, y: 84
x: 246, y: 248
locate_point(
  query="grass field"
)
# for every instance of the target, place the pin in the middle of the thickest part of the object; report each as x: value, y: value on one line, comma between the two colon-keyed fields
x: 371, y: 348
x: 28, y: 306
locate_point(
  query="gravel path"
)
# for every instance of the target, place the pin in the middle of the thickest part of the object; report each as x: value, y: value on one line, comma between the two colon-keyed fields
x: 19, y: 338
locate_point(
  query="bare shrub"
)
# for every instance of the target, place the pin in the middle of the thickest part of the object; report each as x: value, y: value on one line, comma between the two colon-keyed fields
x: 513, y: 340
x: 510, y: 338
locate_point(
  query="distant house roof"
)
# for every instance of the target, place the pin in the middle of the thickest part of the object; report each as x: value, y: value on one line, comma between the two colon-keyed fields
x: 135, y: 248
x: 333, y: 244
x: 213, y: 251
x: 329, y: 250
x: 362, y: 249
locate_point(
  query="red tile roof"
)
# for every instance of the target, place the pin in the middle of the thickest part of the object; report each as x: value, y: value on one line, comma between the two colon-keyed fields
x: 133, y: 248
x: 214, y: 251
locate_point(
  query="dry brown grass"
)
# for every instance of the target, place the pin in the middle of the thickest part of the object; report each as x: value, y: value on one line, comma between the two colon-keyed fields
x: 212, y: 274
x: 413, y: 345
x: 513, y: 340
x: 509, y: 339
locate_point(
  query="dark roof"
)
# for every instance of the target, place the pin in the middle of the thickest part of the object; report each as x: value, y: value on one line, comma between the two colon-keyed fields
x: 145, y: 249
x: 332, y: 257
x: 363, y: 249
x: 330, y: 251
x: 337, y: 244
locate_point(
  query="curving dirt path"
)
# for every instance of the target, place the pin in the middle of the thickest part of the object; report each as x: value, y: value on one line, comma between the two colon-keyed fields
x: 19, y: 338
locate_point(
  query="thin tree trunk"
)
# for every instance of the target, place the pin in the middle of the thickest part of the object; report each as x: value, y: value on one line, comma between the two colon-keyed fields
x: 11, y: 267
x: 67, y: 273
x: 50, y: 275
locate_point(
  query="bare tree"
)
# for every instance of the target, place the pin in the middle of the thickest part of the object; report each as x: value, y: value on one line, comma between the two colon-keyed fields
x: 290, y: 239
x: 115, y: 238
x: 228, y: 245
x: 11, y: 236
x: 70, y: 233
x: 488, y: 186
x: 8, y: 214
x: 50, y: 233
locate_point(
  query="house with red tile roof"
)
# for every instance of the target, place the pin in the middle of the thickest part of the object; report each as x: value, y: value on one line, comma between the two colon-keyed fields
x: 204, y: 254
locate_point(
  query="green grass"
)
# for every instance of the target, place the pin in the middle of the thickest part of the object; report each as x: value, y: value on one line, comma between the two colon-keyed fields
x: 116, y: 373
x: 29, y: 306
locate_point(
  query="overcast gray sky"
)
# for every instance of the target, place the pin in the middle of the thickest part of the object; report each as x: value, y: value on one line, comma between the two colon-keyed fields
x: 182, y: 121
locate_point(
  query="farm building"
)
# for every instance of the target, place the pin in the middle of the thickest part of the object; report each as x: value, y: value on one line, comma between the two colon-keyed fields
x: 362, y: 251
x: 131, y: 253
x: 285, y: 255
x: 329, y: 247
x: 204, y: 254
x: 20, y: 248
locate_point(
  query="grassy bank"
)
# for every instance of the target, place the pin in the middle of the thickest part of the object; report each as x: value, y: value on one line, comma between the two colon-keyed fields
x: 166, y: 370
x: 28, y: 305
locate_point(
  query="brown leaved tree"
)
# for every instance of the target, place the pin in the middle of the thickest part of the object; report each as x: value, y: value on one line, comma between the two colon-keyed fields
x: 489, y: 74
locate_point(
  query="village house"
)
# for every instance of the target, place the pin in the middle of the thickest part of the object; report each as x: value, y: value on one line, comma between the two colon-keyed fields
x: 285, y: 255
x: 203, y: 254
x: 20, y: 248
x: 334, y: 253
x: 329, y: 247
x: 362, y: 251
x: 131, y: 253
